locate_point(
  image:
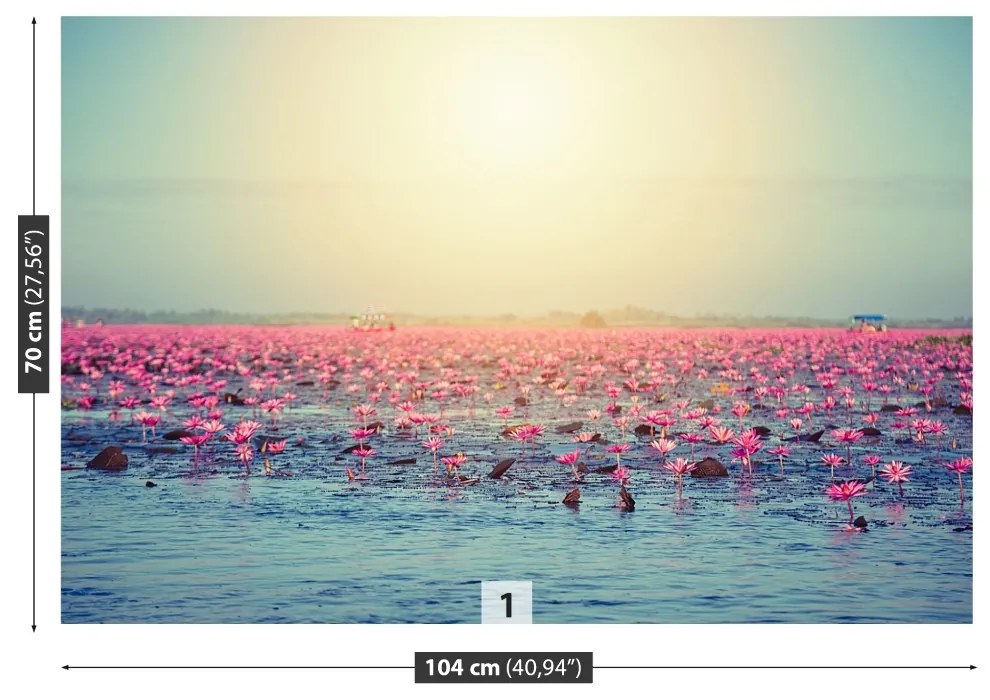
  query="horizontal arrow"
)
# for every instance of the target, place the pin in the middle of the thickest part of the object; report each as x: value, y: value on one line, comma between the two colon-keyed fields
x: 376, y: 668
x: 823, y: 668
x: 240, y: 668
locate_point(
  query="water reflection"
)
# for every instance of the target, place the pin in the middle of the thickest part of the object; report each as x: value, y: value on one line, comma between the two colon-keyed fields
x: 241, y: 493
x: 895, y: 513
x: 745, y: 496
x: 683, y: 505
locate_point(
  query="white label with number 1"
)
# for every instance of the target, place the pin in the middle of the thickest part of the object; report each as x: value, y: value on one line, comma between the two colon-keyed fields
x: 506, y: 602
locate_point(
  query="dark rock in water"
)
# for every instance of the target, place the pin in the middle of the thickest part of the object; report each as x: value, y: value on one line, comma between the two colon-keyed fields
x: 811, y: 437
x: 870, y: 432
x: 921, y: 404
x: 762, y: 430
x: 233, y: 399
x: 626, y: 501
x: 176, y: 434
x: 860, y: 522
x: 570, y: 427
x: 167, y: 450
x: 573, y: 497
x: 643, y: 429
x: 508, y: 430
x: 890, y: 408
x: 501, y: 468
x: 606, y: 470
x: 377, y: 426
x: 521, y: 401
x: 962, y: 411
x: 348, y: 450
x: 111, y: 459
x: 404, y: 460
x: 709, y: 468
x: 306, y: 382
x: 150, y: 484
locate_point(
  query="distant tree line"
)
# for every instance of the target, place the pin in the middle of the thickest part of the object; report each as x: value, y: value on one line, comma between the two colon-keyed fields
x: 627, y: 316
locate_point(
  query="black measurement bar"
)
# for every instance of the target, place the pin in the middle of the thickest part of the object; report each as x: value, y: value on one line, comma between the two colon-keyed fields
x: 510, y: 667
x: 32, y: 294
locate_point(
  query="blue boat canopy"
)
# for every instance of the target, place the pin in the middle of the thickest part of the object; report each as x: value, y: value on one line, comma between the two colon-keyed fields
x: 869, y: 317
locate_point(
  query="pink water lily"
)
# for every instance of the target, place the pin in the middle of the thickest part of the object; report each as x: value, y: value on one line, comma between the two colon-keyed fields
x: 273, y: 447
x: 832, y: 461
x: 244, y: 452
x: 679, y: 467
x: 197, y: 440
x: 780, y: 452
x: 872, y: 461
x: 618, y: 449
x: 846, y: 491
x: 720, y: 434
x: 569, y: 458
x: 434, y: 444
x: 960, y: 466
x: 147, y: 420
x: 364, y: 453
x: 747, y: 444
x: 848, y: 437
x: 663, y: 446
x: 454, y: 463
x: 243, y: 432
x: 896, y: 473
x: 362, y: 434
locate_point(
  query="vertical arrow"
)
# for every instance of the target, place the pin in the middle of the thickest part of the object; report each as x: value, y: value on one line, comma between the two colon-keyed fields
x: 34, y: 471
x: 34, y: 23
x: 33, y: 234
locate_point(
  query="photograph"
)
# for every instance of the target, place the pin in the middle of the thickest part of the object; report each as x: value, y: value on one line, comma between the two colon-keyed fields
x: 561, y: 320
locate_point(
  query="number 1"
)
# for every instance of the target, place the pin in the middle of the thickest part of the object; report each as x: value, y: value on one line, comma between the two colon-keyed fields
x: 507, y: 597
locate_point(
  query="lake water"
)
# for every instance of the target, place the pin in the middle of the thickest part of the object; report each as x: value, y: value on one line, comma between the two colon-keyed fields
x: 400, y: 547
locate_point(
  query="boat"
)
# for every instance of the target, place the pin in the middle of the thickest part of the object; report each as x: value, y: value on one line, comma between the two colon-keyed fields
x: 372, y: 322
x: 868, y: 323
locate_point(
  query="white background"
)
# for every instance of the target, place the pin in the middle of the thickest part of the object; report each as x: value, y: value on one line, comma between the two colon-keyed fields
x: 32, y: 661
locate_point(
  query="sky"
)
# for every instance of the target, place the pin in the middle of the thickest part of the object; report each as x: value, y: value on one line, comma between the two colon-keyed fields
x: 793, y: 167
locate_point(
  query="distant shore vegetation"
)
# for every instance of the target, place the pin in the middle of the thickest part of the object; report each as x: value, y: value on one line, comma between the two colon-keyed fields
x: 629, y: 316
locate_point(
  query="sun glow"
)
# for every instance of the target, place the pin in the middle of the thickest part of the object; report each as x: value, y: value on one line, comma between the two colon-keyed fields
x: 512, y: 108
